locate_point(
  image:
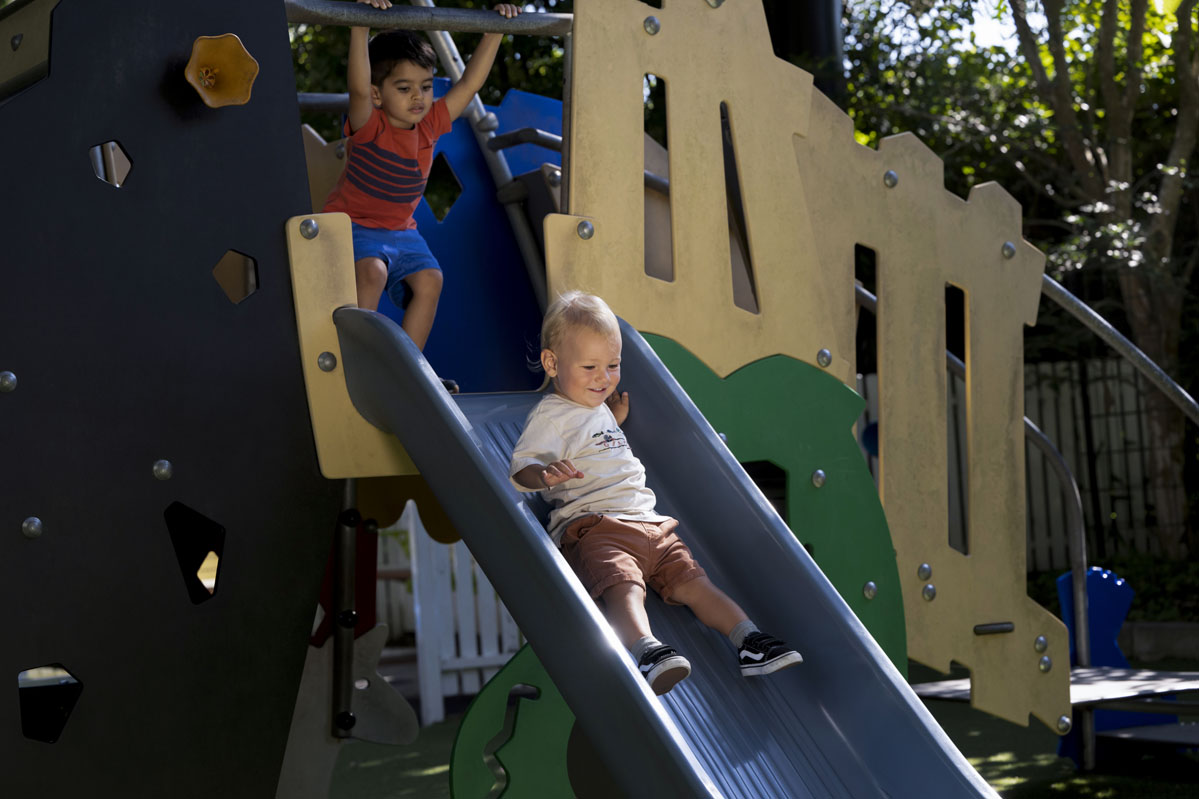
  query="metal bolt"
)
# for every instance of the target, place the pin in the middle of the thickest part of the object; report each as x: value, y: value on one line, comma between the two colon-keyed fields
x: 488, y: 122
x: 1064, y: 724
x: 890, y: 178
x: 326, y: 361
x: 8, y: 382
x: 652, y: 26
x: 340, y: 150
x: 824, y: 358
x: 555, y: 178
x: 1041, y: 643
x: 31, y: 527
x: 1009, y: 250
x: 309, y: 228
x: 1045, y: 663
x: 347, y: 618
x: 163, y: 469
x: 362, y: 683
x: 929, y: 592
x: 870, y: 590
x: 716, y: 3
x: 16, y: 41
x: 924, y: 571
x: 586, y: 229
x: 345, y: 720
x: 818, y: 478
x: 723, y: 437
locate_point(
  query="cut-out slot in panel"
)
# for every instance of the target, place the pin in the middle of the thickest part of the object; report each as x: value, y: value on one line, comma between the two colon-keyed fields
x: 111, y: 163
x: 745, y: 289
x: 443, y: 188
x: 199, y: 544
x: 47, y: 696
x: 237, y: 275
x: 865, y: 271
x: 659, y: 238
x: 956, y: 314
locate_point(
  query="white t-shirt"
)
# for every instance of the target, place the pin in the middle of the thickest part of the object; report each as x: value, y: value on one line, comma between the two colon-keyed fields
x: 613, y: 481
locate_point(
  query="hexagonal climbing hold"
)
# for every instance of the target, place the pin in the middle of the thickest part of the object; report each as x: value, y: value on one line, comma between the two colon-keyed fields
x: 443, y: 188
x: 237, y: 275
x: 198, y: 542
x: 111, y: 163
x: 221, y: 70
x: 47, y: 696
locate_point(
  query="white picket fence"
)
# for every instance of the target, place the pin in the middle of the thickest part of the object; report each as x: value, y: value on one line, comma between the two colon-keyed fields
x: 464, y: 634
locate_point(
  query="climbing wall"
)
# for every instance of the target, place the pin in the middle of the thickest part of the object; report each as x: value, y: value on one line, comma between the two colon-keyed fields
x: 163, y: 523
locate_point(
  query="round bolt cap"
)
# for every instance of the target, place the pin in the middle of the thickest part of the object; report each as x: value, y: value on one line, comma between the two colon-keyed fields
x: 890, y: 178
x: 349, y: 518
x: 585, y: 229
x: 870, y: 589
x: 651, y: 25
x: 1064, y: 724
x: 824, y: 358
x: 8, y: 382
x: 819, y: 478
x: 929, y: 592
x: 345, y: 720
x: 1041, y: 643
x: 489, y: 122
x: 309, y: 228
x: 31, y: 527
x: 347, y: 618
x: 924, y: 571
x: 163, y: 469
x: 1008, y: 250
x: 716, y: 3
x: 555, y: 178
x: 326, y: 361
x: 1045, y: 663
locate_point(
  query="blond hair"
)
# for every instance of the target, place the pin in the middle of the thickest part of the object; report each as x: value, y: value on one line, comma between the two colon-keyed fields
x: 574, y: 309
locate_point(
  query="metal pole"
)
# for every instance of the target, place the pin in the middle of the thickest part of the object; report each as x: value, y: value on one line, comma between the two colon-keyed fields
x: 483, y: 124
x: 1123, y: 347
x: 345, y: 617
x: 458, y: 20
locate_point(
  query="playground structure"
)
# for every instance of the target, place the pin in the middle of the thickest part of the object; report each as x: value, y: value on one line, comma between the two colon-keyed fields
x: 212, y: 409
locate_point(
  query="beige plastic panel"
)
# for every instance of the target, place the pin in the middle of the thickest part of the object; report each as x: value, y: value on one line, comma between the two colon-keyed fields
x: 326, y: 161
x: 811, y: 194
x: 322, y: 275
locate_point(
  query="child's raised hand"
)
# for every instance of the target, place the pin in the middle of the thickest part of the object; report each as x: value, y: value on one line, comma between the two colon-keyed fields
x: 384, y: 4
x: 618, y: 403
x: 559, y: 472
x: 505, y: 10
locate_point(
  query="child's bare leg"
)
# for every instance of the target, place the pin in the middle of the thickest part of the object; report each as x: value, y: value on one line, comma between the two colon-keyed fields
x: 370, y: 278
x: 418, y: 316
x: 711, y: 605
x: 624, y: 607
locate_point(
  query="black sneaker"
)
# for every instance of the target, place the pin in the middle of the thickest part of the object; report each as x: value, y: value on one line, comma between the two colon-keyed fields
x: 761, y: 654
x: 663, y: 668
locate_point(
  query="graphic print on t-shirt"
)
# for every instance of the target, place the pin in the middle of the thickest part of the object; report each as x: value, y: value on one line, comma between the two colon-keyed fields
x: 610, y: 439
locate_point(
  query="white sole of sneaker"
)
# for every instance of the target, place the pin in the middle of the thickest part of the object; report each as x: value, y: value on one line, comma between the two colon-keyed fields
x: 668, y: 674
x: 771, y: 666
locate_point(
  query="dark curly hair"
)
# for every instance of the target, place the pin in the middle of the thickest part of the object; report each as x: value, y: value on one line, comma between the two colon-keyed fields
x: 391, y: 47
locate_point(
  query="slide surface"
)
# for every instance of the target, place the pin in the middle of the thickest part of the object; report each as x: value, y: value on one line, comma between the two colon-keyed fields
x: 842, y: 724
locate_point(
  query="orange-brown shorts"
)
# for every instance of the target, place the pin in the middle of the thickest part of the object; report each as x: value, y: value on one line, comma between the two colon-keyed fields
x: 605, y: 551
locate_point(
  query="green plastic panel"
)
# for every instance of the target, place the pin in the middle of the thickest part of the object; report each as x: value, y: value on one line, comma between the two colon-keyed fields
x: 801, y: 419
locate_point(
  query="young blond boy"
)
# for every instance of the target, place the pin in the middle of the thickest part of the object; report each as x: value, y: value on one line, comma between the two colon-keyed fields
x: 573, y: 451
x: 392, y: 125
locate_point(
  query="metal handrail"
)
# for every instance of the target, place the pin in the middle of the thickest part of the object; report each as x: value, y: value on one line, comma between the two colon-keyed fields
x: 457, y: 20
x: 1122, y: 345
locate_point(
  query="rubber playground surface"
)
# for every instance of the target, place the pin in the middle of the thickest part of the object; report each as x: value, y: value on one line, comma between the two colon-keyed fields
x: 1019, y: 762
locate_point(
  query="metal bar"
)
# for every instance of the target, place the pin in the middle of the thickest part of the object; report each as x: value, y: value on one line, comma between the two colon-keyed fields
x: 344, y: 615
x: 458, y: 20
x: 323, y: 102
x: 483, y: 124
x: 542, y: 138
x: 1123, y: 347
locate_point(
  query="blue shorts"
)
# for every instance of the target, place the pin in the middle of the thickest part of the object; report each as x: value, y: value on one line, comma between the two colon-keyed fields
x: 403, y: 251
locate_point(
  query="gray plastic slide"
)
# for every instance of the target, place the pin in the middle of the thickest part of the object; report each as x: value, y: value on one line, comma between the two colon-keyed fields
x: 842, y: 724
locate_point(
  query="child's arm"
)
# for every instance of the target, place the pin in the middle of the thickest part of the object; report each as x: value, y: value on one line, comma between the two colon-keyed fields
x: 358, y: 73
x: 477, y: 69
x: 538, y: 477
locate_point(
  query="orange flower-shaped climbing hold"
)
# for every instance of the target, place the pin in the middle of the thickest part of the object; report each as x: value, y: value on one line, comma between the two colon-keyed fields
x: 221, y: 70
